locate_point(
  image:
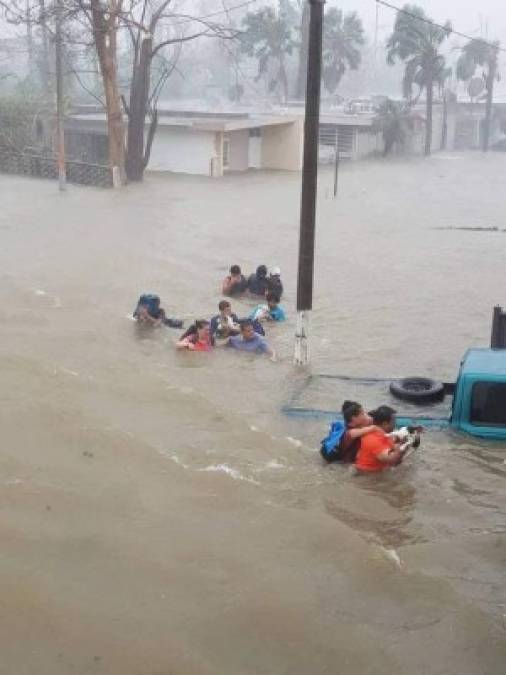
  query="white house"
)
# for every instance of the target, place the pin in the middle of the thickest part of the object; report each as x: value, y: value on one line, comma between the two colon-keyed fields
x: 208, y: 144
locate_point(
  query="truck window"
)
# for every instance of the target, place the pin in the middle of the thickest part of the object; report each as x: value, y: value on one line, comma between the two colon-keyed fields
x: 488, y: 403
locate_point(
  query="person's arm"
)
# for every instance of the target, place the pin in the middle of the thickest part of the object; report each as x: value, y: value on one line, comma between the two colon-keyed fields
x: 392, y: 456
x: 272, y: 354
x: 226, y: 286
x: 265, y: 348
x: 185, y: 343
x: 362, y: 431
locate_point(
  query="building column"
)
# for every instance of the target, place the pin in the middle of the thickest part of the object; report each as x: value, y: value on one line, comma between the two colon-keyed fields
x: 216, y: 168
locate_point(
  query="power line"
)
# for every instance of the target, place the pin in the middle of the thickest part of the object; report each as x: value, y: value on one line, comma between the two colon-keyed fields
x: 209, y: 16
x: 400, y: 10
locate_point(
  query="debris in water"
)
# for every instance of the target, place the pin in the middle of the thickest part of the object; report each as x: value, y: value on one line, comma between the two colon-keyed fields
x: 470, y: 228
x: 392, y: 555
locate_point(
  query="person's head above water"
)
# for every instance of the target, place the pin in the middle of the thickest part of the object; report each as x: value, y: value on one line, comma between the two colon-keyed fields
x: 247, y: 330
x: 202, y: 329
x: 384, y: 417
x: 235, y: 270
x: 354, y: 414
x: 272, y: 299
x: 225, y: 308
x: 261, y: 271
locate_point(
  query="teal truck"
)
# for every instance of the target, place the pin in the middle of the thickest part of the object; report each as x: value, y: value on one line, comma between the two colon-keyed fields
x: 479, y: 394
x: 479, y: 399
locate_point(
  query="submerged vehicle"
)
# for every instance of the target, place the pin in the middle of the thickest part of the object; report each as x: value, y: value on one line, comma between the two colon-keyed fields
x: 479, y: 394
x: 479, y: 401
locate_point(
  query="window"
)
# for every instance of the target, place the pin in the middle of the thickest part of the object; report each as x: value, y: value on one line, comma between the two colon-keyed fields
x: 488, y: 404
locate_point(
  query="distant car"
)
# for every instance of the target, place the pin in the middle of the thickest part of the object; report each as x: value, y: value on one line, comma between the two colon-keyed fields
x: 359, y: 105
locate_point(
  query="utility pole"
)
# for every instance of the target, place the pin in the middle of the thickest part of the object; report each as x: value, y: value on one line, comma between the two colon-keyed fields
x: 336, y: 162
x: 309, y: 183
x: 60, y: 132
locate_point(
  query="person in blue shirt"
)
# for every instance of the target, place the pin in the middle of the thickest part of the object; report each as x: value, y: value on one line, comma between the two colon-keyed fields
x: 250, y: 341
x: 269, y: 311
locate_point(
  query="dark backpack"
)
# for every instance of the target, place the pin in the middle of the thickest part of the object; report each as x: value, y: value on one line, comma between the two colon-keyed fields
x: 152, y: 302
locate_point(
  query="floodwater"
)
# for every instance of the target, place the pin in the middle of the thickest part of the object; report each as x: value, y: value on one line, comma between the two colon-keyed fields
x: 161, y: 515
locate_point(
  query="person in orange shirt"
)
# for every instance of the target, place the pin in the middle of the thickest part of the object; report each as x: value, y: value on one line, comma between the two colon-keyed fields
x: 379, y: 451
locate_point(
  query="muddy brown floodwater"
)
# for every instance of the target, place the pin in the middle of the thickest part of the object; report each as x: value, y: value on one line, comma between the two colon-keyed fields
x: 159, y: 513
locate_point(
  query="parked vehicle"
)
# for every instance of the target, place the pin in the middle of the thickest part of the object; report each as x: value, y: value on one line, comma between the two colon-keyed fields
x: 479, y: 402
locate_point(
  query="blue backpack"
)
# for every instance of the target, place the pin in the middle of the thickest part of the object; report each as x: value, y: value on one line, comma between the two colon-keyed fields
x: 330, y: 444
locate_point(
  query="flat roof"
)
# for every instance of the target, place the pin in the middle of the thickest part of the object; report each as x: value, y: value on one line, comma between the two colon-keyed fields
x: 204, y: 123
x: 485, y: 360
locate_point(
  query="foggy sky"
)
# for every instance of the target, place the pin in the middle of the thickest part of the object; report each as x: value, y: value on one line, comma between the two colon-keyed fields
x: 465, y: 15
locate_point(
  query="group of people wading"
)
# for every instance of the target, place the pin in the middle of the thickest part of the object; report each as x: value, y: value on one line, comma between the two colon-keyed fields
x: 366, y: 440
x: 226, y: 328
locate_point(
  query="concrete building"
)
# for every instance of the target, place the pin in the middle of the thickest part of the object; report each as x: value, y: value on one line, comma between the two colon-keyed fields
x: 356, y: 135
x: 208, y: 144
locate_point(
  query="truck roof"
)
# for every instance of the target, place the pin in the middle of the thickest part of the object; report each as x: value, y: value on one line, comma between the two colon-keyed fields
x: 483, y: 360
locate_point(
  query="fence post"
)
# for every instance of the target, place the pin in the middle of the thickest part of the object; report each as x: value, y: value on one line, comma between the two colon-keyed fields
x: 116, y: 177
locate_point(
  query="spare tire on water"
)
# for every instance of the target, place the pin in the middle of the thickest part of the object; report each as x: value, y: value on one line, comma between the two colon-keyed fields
x: 418, y: 390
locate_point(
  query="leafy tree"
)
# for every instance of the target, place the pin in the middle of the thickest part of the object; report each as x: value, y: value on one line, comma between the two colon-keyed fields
x: 480, y: 54
x: 24, y: 121
x: 154, y: 28
x: 303, y: 44
x: 393, y: 120
x: 343, y: 35
x: 417, y: 42
x: 269, y: 38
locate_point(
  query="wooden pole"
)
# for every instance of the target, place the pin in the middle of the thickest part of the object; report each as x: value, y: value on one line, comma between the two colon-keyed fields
x: 491, y: 75
x: 60, y: 131
x: 309, y: 183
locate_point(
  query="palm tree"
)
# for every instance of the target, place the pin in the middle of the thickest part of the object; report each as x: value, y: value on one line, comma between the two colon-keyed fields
x: 343, y: 35
x: 416, y: 41
x: 269, y: 38
x: 478, y: 53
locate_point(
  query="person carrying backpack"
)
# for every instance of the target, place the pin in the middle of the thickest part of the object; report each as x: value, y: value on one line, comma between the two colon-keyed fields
x: 343, y: 440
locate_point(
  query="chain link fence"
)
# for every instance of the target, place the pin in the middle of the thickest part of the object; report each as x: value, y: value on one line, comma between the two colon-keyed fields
x: 81, y: 173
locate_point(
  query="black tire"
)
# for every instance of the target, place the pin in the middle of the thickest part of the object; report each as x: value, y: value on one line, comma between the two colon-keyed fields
x: 418, y: 390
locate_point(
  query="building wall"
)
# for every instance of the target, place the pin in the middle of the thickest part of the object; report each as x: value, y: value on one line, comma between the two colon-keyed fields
x: 238, y: 150
x: 367, y: 142
x: 282, y: 146
x: 255, y: 152
x: 182, y: 151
